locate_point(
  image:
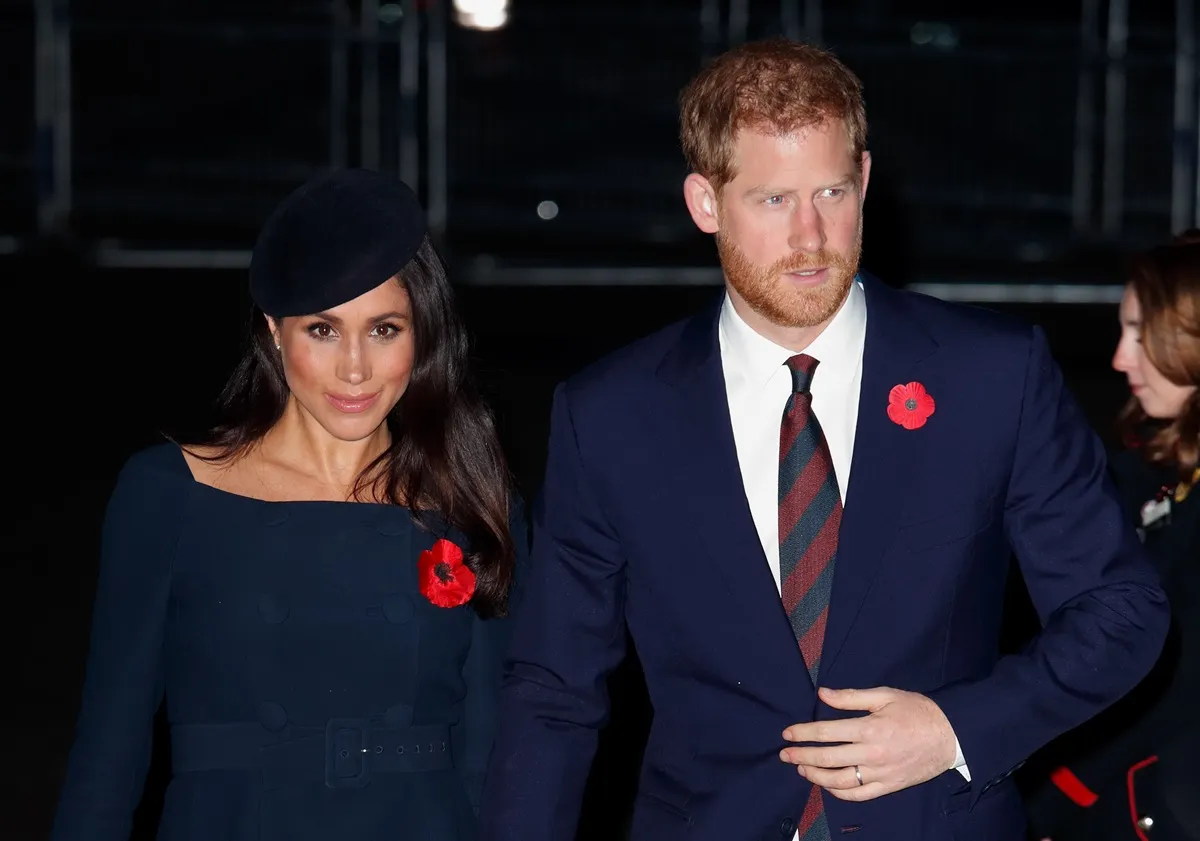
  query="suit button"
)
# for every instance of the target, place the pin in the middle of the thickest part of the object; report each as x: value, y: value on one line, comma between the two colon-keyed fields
x: 787, y: 828
x: 1145, y: 823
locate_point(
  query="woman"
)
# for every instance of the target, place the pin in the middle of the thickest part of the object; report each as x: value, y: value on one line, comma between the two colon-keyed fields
x: 1133, y: 773
x: 315, y: 590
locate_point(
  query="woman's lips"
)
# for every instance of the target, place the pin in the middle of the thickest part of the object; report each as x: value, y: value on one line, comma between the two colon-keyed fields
x: 351, y: 404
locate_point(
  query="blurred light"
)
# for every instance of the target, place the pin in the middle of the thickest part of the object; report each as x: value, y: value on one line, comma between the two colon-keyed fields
x: 390, y: 13
x: 547, y: 210
x: 481, y: 14
x: 933, y: 34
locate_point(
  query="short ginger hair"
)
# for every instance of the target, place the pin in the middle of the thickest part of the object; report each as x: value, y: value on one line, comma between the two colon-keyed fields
x: 776, y: 86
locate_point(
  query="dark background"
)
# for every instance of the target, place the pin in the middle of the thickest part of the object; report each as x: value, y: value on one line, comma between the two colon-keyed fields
x: 1016, y: 166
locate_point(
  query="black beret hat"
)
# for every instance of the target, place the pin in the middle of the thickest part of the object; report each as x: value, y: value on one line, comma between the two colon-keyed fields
x: 333, y: 239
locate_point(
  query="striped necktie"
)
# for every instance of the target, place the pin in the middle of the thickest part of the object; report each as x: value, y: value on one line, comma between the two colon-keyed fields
x: 810, y: 513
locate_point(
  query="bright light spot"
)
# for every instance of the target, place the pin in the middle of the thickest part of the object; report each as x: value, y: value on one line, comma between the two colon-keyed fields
x: 547, y: 210
x: 390, y: 13
x: 481, y: 14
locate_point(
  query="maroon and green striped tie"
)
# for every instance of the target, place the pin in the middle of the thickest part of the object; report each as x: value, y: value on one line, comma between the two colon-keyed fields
x: 810, y: 514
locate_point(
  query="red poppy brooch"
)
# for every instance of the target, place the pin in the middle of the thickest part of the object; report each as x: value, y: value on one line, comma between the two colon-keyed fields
x: 445, y: 580
x: 910, y: 405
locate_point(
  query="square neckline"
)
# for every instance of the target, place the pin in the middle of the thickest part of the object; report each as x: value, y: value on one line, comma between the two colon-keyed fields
x: 192, y: 478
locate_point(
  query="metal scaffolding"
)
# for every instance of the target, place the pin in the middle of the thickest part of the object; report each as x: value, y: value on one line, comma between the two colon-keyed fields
x: 390, y: 101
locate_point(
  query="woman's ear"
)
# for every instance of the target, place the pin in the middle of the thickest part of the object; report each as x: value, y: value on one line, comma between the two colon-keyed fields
x: 273, y: 326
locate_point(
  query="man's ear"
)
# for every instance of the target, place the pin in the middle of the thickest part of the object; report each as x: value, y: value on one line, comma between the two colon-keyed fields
x: 865, y: 171
x: 701, y: 200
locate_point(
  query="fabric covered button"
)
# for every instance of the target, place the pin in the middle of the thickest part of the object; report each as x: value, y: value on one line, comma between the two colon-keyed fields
x: 272, y: 715
x: 272, y: 609
x: 399, y: 715
x: 398, y: 608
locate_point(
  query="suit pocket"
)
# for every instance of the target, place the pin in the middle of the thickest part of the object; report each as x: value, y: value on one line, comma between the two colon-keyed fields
x: 655, y: 818
x: 941, y: 527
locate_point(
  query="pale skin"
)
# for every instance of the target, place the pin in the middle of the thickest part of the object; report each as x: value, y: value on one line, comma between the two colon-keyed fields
x: 794, y: 195
x: 1160, y: 398
x: 333, y: 361
x: 798, y: 196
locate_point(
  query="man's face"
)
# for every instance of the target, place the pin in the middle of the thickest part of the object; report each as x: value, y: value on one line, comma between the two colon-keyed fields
x: 789, y: 225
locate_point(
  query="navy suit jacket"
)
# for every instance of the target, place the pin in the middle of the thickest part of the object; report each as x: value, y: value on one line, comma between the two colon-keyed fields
x: 643, y: 525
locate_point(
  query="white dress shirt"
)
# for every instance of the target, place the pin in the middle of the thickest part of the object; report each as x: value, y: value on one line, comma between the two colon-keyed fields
x: 758, y: 384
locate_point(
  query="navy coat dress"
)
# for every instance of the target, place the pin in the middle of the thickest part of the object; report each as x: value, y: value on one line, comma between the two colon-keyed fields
x: 312, y: 691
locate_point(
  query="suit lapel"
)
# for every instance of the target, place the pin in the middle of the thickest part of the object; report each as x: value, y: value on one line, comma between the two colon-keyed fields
x: 895, y: 345
x: 710, y: 481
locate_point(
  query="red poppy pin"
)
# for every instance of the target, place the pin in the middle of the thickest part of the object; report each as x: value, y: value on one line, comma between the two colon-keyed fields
x: 445, y: 580
x: 910, y: 405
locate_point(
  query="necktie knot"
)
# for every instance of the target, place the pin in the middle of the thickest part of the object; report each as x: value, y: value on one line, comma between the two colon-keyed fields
x: 802, y: 367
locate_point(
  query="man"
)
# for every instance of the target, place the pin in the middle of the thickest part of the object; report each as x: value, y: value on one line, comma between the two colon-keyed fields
x: 802, y: 505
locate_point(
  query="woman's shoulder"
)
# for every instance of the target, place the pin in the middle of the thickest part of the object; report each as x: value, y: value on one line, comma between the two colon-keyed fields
x: 210, y: 466
x: 152, y: 489
x: 155, y: 465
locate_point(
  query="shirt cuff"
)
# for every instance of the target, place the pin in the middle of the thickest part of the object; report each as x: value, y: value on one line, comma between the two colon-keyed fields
x: 960, y: 762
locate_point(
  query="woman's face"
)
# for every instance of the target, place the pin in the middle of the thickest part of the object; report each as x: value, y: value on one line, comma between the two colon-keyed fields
x: 347, y: 367
x: 1160, y: 398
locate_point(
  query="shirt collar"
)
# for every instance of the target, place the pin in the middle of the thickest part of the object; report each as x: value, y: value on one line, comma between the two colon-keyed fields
x: 755, y: 358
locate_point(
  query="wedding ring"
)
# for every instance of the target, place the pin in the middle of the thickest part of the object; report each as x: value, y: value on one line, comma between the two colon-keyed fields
x: 858, y: 774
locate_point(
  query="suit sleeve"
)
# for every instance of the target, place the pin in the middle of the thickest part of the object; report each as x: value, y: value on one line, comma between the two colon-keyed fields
x: 482, y: 674
x: 1104, y: 616
x: 123, y: 686
x: 568, y: 636
x: 1092, y: 763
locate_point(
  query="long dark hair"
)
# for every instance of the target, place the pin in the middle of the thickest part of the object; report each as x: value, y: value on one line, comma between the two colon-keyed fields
x: 445, y: 457
x: 1166, y: 281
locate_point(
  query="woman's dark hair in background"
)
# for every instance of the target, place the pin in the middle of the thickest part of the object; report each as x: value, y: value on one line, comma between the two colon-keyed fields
x: 1166, y: 282
x: 445, y: 457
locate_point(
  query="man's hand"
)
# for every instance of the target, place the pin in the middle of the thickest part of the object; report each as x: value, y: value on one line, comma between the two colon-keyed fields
x: 905, y: 740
